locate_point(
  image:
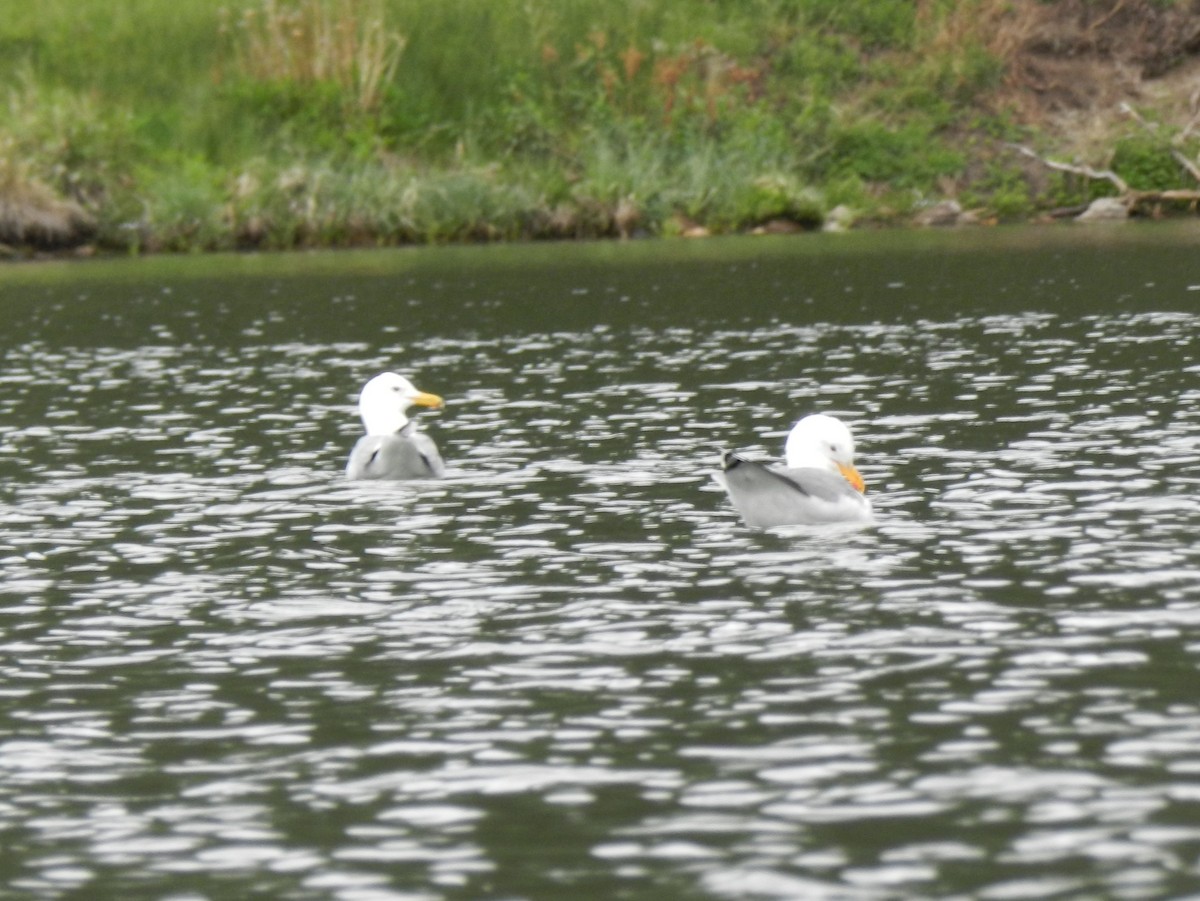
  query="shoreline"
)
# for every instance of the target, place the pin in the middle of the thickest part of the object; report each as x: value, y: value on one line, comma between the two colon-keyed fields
x: 1032, y: 233
x: 428, y: 124
x: 941, y: 217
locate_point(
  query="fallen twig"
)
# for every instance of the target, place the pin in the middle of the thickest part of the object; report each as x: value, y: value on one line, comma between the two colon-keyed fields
x: 1085, y: 171
x: 1187, y: 164
x: 1173, y: 195
x: 1128, y: 196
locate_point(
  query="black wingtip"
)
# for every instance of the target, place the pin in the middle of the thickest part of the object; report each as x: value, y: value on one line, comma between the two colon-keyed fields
x: 730, y: 460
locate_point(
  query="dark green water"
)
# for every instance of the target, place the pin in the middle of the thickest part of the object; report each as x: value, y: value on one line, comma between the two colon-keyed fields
x: 567, y: 671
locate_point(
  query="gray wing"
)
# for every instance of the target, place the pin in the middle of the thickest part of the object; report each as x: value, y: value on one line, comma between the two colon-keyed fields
x: 406, y: 455
x: 769, y: 496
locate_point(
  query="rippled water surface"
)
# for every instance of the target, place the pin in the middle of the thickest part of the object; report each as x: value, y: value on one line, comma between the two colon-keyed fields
x: 567, y: 670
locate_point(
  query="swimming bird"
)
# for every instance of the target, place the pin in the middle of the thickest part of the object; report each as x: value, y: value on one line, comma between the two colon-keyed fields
x: 392, y: 447
x: 818, y: 484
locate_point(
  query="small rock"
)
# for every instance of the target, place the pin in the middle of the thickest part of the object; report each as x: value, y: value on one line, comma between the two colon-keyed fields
x: 777, y: 227
x: 839, y: 219
x: 946, y: 212
x: 685, y: 228
x: 1104, y: 209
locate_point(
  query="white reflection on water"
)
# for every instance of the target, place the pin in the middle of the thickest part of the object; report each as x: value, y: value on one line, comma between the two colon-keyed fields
x: 222, y: 659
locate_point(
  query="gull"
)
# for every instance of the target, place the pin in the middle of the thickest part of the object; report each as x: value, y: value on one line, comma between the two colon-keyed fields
x: 392, y: 447
x: 818, y: 484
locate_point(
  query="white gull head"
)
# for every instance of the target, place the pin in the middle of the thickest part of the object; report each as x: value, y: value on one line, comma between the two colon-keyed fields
x: 384, y: 402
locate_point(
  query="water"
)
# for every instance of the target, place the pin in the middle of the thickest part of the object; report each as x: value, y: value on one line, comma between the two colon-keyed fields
x: 567, y: 670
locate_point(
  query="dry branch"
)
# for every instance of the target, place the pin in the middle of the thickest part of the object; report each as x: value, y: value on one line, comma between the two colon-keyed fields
x: 1183, y: 161
x: 1172, y: 195
x: 1132, y: 199
x: 1085, y: 171
x: 1187, y: 164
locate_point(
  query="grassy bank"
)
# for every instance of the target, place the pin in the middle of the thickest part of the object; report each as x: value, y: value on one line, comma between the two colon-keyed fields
x: 156, y: 125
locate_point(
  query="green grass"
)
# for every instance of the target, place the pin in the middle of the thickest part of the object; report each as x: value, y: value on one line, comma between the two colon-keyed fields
x: 173, y: 124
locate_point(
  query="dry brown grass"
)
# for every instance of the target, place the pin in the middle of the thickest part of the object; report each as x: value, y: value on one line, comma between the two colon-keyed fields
x: 1001, y: 27
x: 343, y: 42
x: 32, y: 214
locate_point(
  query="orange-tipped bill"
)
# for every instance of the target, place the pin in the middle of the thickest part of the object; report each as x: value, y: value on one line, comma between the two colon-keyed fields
x: 852, y: 476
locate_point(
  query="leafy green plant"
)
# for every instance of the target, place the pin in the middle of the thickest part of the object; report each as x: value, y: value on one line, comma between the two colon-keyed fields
x: 876, y: 23
x: 187, y: 207
x: 1145, y: 163
x: 1002, y: 191
x: 908, y: 156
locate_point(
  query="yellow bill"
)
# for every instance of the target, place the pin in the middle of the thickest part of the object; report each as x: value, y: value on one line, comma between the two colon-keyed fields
x: 852, y: 476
